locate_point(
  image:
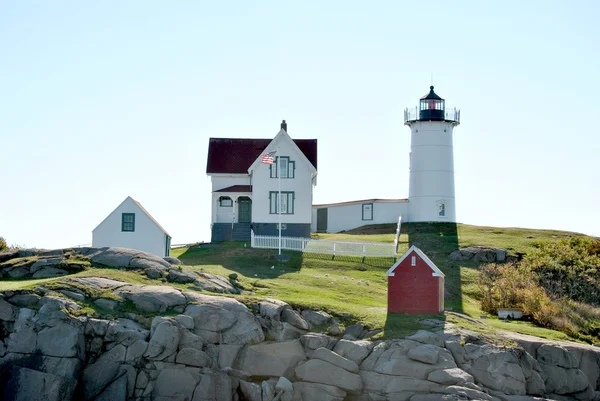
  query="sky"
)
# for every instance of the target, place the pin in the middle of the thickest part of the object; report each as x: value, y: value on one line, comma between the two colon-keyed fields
x: 104, y: 100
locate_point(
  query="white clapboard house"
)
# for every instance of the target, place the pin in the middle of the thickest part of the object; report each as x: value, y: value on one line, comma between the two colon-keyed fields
x: 131, y: 226
x: 245, y: 189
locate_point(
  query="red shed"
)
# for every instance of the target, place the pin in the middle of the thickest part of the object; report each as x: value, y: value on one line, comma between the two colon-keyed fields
x: 415, y: 285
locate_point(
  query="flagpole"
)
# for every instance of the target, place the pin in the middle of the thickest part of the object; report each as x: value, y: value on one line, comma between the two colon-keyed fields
x: 279, y: 197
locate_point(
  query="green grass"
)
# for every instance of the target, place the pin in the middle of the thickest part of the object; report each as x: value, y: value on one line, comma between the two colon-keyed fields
x: 339, y: 285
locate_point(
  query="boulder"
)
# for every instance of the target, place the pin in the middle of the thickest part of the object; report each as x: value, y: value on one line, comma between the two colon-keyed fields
x: 65, y: 340
x: 172, y: 260
x: 329, y: 356
x: 355, y: 330
x: 495, y: 368
x: 47, y: 272
x: 284, y: 384
x: 97, y: 375
x: 316, y: 318
x: 148, y: 261
x: 450, y: 376
x: 215, y: 283
x: 8, y: 255
x: 213, y: 386
x: 228, y: 354
x: 317, y: 392
x: 30, y: 385
x: 136, y: 351
x: 246, y: 330
x: 210, y: 317
x: 152, y: 298
x: 77, y: 296
x: 427, y: 353
x: 108, y: 304
x: 318, y: 371
x: 272, y: 308
x: 271, y: 359
x: 190, y: 340
x: 116, y: 391
x: 174, y: 384
x: 185, y: 321
x: 8, y: 312
x: 479, y: 254
x: 355, y: 351
x: 268, y: 391
x: 251, y: 391
x: 99, y: 283
x: 125, y: 331
x: 113, y: 257
x: 560, y: 380
x: 180, y: 276
x: 42, y: 263
x: 164, y: 342
x: 312, y: 341
x: 294, y: 318
x: 555, y: 355
x: 380, y: 383
x: 427, y: 337
x: 193, y: 357
x: 96, y: 327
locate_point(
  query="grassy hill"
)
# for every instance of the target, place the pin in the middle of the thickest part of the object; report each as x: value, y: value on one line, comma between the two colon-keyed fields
x: 355, y: 289
x: 347, y: 285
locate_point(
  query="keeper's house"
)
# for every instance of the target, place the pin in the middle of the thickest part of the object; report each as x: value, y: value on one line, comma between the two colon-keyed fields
x: 245, y: 190
x: 415, y: 285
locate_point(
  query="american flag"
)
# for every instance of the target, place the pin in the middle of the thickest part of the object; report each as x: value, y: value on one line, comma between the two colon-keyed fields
x: 268, y: 158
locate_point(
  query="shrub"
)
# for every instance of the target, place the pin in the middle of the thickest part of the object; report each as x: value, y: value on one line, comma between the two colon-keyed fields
x: 3, y: 245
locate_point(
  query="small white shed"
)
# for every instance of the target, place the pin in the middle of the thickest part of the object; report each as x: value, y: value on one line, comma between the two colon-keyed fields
x: 131, y: 226
x: 342, y: 216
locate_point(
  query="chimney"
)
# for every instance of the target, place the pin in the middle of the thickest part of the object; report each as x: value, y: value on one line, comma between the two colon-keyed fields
x: 284, y: 125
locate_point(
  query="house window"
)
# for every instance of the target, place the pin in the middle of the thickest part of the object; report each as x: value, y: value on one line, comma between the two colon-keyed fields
x: 285, y: 165
x: 442, y: 210
x: 367, y: 211
x: 413, y: 260
x: 286, y: 203
x: 128, y: 222
x: 225, y: 201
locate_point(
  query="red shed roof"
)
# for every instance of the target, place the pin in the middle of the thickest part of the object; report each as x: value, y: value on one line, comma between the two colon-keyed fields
x: 421, y: 254
x: 236, y: 155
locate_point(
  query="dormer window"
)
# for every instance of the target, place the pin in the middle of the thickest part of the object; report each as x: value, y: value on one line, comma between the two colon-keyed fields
x: 285, y: 165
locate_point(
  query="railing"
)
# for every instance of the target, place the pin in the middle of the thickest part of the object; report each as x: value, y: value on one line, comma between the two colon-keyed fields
x: 450, y: 114
x: 309, y: 245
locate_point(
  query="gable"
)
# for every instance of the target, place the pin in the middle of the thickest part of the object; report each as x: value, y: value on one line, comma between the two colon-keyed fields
x: 436, y: 272
x: 236, y: 155
x: 138, y: 207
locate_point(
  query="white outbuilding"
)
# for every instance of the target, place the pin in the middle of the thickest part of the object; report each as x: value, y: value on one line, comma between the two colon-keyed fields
x: 131, y: 226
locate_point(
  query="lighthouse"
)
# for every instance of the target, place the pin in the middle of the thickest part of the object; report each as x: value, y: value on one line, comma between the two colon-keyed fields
x: 431, y: 186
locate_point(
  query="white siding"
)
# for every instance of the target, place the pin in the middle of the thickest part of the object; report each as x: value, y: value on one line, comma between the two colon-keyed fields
x: 224, y: 181
x: 147, y: 236
x: 431, y: 171
x: 301, y: 185
x: 347, y: 217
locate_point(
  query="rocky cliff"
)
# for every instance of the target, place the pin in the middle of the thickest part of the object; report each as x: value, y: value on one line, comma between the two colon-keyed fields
x: 203, y: 347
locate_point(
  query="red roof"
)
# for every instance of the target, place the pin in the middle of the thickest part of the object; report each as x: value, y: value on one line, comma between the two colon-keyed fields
x: 235, y: 155
x: 236, y: 188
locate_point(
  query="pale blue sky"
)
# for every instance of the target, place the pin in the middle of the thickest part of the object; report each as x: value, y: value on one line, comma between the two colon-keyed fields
x: 101, y: 100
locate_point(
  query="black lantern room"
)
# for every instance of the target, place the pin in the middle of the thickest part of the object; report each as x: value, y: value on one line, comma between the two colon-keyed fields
x: 431, y: 107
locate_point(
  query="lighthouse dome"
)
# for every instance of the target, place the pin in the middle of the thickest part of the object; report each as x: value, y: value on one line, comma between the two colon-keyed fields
x: 431, y: 107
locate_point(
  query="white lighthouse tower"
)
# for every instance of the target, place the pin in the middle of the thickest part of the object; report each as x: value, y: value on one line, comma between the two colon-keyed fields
x: 431, y: 187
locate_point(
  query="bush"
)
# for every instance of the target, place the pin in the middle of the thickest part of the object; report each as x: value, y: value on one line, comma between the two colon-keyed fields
x: 3, y: 245
x: 556, y: 286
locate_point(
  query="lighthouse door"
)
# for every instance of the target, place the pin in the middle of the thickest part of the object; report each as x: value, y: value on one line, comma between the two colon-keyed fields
x: 322, y: 220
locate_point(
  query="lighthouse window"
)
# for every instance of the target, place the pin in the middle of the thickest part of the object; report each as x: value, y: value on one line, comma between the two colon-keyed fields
x: 442, y: 210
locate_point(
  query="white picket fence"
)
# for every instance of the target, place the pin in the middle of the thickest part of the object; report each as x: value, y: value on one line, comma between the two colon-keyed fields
x: 309, y: 245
